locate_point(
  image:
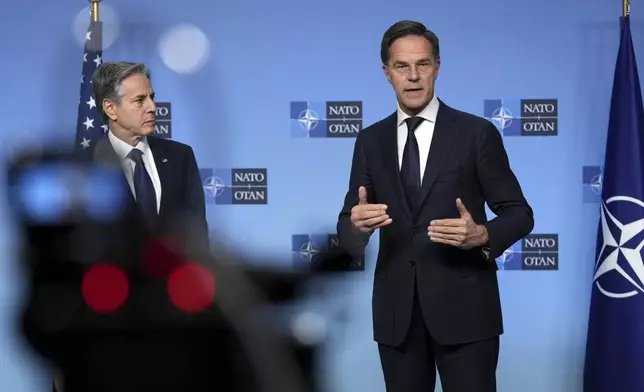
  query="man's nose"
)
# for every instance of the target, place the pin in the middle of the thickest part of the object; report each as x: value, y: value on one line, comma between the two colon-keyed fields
x: 413, y: 73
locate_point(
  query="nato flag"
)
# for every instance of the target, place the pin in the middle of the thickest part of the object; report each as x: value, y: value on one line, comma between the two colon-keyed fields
x: 615, y: 343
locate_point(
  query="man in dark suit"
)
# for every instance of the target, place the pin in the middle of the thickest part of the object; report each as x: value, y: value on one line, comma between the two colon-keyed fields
x: 422, y: 176
x: 165, y: 201
x: 162, y: 174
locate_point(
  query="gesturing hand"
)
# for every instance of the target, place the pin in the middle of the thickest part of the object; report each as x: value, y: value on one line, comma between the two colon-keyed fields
x: 367, y: 217
x: 463, y: 233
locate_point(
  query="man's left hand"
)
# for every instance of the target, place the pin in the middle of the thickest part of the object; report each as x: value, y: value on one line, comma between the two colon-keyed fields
x: 463, y: 233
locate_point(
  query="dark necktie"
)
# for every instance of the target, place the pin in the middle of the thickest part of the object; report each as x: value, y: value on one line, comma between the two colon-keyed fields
x: 410, y: 170
x: 146, y: 197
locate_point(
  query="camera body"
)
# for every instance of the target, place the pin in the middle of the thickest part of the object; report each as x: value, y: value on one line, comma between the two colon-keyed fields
x: 115, y: 308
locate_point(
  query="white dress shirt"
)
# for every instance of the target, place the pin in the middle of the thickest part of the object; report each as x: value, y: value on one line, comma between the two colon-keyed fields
x: 424, y: 133
x: 122, y: 149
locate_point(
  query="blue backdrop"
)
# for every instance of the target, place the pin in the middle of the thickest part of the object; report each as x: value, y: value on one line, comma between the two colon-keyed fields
x: 239, y: 75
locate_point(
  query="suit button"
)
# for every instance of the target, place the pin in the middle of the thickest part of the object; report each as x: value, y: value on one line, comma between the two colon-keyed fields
x: 415, y: 233
x: 412, y: 263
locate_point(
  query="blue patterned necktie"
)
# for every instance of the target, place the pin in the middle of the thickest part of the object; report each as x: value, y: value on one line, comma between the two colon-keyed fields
x: 410, y: 170
x: 144, y: 191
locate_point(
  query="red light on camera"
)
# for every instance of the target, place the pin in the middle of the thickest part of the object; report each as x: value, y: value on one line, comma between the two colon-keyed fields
x: 191, y: 287
x: 105, y: 288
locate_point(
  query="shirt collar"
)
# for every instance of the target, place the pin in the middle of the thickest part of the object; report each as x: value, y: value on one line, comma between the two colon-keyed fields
x: 122, y: 149
x: 429, y: 113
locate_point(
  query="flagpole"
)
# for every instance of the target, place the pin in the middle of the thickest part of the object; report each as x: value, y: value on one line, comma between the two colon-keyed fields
x: 626, y: 8
x: 95, y: 9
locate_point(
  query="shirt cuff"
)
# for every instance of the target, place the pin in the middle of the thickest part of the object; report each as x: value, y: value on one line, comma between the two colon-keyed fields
x: 485, y: 251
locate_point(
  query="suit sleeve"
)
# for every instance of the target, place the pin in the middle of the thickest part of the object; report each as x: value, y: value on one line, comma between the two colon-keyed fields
x: 514, y: 216
x: 351, y: 240
x: 196, y: 205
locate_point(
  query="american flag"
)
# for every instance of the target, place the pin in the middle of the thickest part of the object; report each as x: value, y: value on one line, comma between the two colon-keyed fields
x: 89, y: 127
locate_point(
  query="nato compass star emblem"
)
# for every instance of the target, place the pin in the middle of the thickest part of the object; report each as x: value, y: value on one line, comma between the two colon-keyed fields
x: 619, y: 269
x: 214, y: 186
x: 308, y: 252
x: 308, y: 119
x: 306, y: 249
x: 596, y: 184
x: 502, y: 117
x: 505, y: 258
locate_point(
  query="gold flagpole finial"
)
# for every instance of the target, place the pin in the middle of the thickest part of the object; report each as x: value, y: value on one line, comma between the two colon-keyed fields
x: 626, y: 8
x: 95, y: 9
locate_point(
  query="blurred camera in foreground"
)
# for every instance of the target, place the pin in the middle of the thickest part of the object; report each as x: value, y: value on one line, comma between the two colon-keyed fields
x: 116, y: 308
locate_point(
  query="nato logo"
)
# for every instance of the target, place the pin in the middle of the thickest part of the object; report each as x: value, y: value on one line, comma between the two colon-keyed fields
x: 333, y: 119
x: 618, y: 272
x: 163, y: 121
x: 592, y: 184
x: 535, y: 252
x: 309, y: 249
x: 524, y: 117
x: 235, y: 186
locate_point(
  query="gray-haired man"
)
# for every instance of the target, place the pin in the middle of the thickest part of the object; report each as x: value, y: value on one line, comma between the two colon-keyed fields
x: 162, y: 174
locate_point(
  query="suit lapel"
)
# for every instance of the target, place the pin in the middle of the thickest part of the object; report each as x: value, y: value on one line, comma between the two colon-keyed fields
x: 445, y: 135
x: 163, y: 169
x: 389, y: 148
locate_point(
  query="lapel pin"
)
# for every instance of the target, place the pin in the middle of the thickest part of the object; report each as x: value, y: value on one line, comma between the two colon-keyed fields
x: 165, y: 160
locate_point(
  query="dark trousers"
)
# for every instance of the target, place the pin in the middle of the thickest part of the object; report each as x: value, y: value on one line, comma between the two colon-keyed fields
x: 411, y: 367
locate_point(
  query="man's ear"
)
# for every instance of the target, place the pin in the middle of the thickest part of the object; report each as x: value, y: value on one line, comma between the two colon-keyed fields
x: 387, y: 73
x: 109, y: 108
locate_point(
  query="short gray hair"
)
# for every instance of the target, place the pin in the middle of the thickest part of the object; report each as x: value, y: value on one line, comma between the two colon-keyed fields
x: 107, y: 80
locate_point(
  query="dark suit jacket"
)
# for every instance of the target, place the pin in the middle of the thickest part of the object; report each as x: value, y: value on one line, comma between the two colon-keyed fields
x: 458, y: 289
x: 182, y: 214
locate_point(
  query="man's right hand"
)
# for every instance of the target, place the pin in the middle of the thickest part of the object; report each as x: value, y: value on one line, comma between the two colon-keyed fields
x: 367, y: 217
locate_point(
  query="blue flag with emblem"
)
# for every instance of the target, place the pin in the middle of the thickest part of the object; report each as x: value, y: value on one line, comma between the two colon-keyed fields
x: 615, y: 341
x: 89, y: 127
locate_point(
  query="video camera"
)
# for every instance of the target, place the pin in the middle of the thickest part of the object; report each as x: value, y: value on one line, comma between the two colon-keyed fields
x: 114, y: 310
